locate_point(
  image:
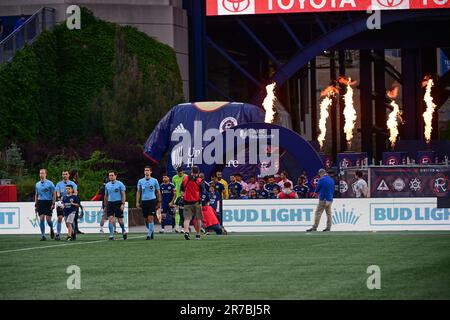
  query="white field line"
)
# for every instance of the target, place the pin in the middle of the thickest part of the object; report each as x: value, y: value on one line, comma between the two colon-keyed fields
x: 61, y: 245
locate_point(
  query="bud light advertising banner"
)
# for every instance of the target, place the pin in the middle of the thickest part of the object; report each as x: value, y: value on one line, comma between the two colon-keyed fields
x: 20, y: 218
x: 391, y: 214
x: 424, y: 181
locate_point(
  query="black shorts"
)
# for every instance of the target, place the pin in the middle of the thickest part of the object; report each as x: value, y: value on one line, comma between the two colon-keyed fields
x: 59, y: 212
x: 45, y: 207
x: 113, y: 209
x: 149, y: 208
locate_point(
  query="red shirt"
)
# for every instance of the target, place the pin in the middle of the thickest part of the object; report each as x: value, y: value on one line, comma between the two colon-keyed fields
x: 209, y: 216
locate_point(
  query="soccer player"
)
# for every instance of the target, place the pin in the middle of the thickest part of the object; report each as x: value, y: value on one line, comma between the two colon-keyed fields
x: 252, y: 183
x: 284, y: 179
x: 275, y: 192
x: 177, y: 181
x: 44, y: 202
x: 224, y: 183
x: 301, y: 188
x: 114, y: 201
x: 269, y: 186
x: 168, y: 195
x: 220, y: 189
x: 234, y: 188
x: 214, y: 198
x: 252, y: 194
x: 60, y: 193
x: 360, y: 186
x: 191, y: 189
x: 325, y: 188
x: 148, y: 192
x: 71, y: 203
x: 244, y: 185
x: 261, y: 193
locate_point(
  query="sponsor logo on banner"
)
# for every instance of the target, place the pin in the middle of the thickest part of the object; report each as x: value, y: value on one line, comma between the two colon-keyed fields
x: 9, y: 218
x: 343, y: 186
x: 440, y: 184
x: 345, y: 217
x: 399, y: 184
x: 408, y: 214
x: 392, y: 161
x: 415, y: 185
x: 227, y: 7
x: 382, y: 186
x: 266, y: 214
x: 345, y: 163
x: 390, y: 4
x: 425, y: 160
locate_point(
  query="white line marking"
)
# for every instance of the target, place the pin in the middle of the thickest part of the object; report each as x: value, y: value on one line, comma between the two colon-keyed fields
x: 61, y: 245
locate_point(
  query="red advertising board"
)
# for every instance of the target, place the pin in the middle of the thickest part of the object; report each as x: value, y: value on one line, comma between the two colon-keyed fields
x: 238, y: 7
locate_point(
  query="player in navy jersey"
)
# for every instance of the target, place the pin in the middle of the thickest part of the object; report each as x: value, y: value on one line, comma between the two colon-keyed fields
x: 44, y: 202
x: 301, y: 188
x: 214, y: 197
x: 168, y: 196
x: 234, y: 188
x: 269, y: 186
x: 71, y: 203
x: 60, y: 193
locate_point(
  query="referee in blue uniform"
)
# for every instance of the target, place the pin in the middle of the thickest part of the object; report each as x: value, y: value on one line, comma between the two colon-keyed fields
x: 44, y: 202
x: 114, y: 201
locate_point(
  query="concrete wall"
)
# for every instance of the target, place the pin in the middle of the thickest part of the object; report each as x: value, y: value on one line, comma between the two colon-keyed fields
x: 164, y: 20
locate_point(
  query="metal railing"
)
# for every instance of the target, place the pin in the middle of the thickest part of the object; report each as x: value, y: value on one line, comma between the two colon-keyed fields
x: 40, y: 21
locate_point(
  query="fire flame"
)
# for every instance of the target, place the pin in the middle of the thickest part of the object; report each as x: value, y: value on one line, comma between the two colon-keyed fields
x: 269, y: 103
x: 428, y: 114
x: 324, y: 105
x: 349, y: 113
x: 392, y: 122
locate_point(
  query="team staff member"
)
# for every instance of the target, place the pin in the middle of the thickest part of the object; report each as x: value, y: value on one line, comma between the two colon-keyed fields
x: 177, y: 180
x: 60, y: 193
x: 191, y: 189
x: 114, y: 203
x: 225, y: 195
x: 325, y: 189
x: 148, y: 191
x: 44, y: 202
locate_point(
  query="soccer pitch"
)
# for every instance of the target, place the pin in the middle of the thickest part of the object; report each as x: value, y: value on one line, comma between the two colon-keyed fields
x: 414, y: 265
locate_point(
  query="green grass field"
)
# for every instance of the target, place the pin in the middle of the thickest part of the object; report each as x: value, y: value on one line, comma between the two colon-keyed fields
x: 414, y: 265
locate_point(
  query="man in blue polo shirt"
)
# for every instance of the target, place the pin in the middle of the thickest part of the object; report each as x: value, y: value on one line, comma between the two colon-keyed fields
x: 325, y: 189
x: 44, y: 202
x: 149, y: 193
x: 60, y: 193
x: 115, y: 203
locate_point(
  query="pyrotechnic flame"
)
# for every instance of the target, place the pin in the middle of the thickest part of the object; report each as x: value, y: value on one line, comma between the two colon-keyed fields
x: 269, y: 103
x: 324, y: 105
x: 428, y: 114
x: 395, y: 115
x: 392, y: 123
x: 349, y: 113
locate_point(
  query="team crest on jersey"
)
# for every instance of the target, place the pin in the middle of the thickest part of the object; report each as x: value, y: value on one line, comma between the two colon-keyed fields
x: 116, y: 190
x: 227, y: 123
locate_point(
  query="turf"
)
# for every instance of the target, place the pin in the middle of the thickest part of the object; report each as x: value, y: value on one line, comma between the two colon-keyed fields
x: 414, y: 265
